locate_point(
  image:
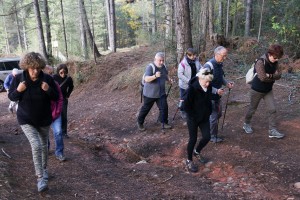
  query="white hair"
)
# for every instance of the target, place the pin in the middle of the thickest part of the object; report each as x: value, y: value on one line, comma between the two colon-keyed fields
x: 219, y: 49
x: 205, y: 74
x: 159, y: 55
x: 15, y: 71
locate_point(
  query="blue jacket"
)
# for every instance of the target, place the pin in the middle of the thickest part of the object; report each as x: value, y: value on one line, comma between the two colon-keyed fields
x: 8, y: 81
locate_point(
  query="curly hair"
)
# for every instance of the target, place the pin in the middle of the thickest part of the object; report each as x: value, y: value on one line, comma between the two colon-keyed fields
x: 32, y: 60
x: 60, y: 67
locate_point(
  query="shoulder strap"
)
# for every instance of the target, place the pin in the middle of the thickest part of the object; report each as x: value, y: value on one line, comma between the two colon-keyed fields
x: 60, y: 85
x: 153, y: 68
x: 182, y: 65
x: 210, y: 64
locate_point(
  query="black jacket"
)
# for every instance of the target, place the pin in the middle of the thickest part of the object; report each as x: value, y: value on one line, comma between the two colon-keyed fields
x: 67, y: 87
x: 34, y: 106
x: 197, y: 103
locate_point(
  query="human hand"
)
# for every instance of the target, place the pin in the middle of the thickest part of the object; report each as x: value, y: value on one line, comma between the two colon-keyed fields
x: 157, y: 74
x: 21, y: 87
x: 230, y: 85
x: 220, y: 91
x: 45, y: 86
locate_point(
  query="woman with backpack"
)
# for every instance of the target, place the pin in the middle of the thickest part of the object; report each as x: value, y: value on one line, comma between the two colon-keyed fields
x: 268, y: 72
x: 34, y: 90
x: 187, y: 69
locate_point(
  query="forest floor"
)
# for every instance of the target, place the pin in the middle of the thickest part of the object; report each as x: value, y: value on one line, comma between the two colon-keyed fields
x: 108, y: 158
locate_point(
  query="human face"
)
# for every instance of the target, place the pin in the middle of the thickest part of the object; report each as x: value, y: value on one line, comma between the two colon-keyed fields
x: 158, y: 61
x: 221, y: 56
x: 34, y: 73
x: 204, y: 83
x: 273, y: 58
x: 62, y: 73
x: 192, y: 57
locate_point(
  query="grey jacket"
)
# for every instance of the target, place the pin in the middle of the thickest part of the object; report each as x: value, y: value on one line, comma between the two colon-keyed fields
x: 185, y: 72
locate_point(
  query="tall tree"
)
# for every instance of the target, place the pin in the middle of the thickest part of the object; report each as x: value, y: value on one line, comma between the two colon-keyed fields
x: 48, y: 29
x: 83, y: 38
x: 64, y: 28
x: 182, y: 27
x: 203, y: 24
x: 227, y: 18
x: 220, y: 17
x: 18, y: 26
x: 248, y: 17
x: 154, y: 22
x: 111, y: 24
x: 261, y: 18
x: 88, y: 29
x: 40, y: 29
x: 211, y: 4
x: 169, y: 19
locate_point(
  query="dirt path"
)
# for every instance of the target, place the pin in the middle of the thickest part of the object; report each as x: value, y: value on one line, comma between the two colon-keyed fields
x: 107, y: 158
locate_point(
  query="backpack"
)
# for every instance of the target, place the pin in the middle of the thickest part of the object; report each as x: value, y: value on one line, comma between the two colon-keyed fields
x: 143, y: 81
x: 251, y: 72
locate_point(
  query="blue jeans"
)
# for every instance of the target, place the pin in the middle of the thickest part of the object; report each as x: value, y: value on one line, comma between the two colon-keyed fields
x: 58, y: 137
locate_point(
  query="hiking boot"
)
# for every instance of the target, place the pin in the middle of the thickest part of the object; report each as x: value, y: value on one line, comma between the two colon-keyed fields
x: 191, y: 166
x: 45, y: 174
x: 61, y: 158
x: 200, y: 158
x: 167, y: 126
x: 247, y: 128
x: 215, y: 139
x: 42, y: 185
x: 273, y: 133
x: 140, y: 127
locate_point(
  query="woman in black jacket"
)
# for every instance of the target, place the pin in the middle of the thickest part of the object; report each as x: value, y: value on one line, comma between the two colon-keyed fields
x: 66, y: 85
x: 34, y: 91
x: 198, y: 107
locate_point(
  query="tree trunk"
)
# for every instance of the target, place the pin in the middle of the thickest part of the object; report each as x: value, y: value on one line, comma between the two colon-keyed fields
x: 18, y: 27
x: 234, y: 20
x: 211, y: 4
x: 183, y: 27
x: 88, y: 29
x: 221, y: 19
x: 40, y: 30
x: 83, y: 37
x: 48, y: 29
x: 111, y: 24
x: 64, y: 28
x: 169, y: 18
x: 24, y: 34
x: 203, y: 25
x: 227, y: 18
x: 261, y: 18
x: 154, y: 23
x: 248, y: 17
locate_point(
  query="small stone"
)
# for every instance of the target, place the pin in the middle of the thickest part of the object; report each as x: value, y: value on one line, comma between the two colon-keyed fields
x: 142, y: 162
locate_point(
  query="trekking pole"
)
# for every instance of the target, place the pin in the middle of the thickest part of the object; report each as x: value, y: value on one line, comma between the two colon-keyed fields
x: 176, y: 113
x: 225, y: 109
x: 169, y: 90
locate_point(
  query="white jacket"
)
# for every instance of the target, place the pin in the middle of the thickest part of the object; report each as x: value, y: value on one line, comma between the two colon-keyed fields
x: 184, y: 72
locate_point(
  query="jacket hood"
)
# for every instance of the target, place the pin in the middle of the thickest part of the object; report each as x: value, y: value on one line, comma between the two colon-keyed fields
x: 194, y: 82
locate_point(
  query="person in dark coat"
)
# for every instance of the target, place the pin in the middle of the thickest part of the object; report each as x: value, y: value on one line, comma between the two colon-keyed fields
x: 66, y: 85
x: 34, y: 90
x: 198, y: 107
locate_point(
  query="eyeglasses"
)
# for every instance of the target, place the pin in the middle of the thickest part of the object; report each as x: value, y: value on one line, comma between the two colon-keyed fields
x: 223, y: 55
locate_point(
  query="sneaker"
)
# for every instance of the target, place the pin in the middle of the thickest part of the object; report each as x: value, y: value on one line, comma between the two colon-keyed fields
x: 273, y: 133
x: 42, y: 185
x: 45, y: 174
x: 191, y: 166
x: 215, y: 139
x: 247, y: 128
x: 167, y: 126
x: 200, y: 158
x: 61, y: 158
x: 140, y: 127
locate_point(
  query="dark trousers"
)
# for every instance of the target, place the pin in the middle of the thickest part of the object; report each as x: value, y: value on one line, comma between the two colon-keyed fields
x: 193, y: 125
x: 64, y: 117
x: 161, y: 104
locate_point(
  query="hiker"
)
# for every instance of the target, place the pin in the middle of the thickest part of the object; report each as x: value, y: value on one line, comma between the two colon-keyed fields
x: 216, y: 65
x: 268, y: 72
x: 56, y: 108
x: 154, y: 91
x: 198, y: 106
x: 187, y: 69
x: 66, y: 85
x: 34, y: 90
x: 7, y: 83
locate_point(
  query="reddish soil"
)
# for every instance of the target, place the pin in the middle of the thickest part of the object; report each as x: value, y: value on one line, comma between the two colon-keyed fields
x: 107, y: 158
